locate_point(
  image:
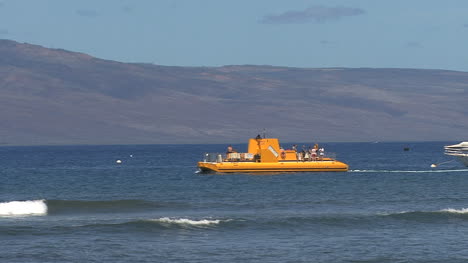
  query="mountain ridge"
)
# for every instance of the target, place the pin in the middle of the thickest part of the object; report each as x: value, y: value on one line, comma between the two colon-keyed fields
x: 55, y: 96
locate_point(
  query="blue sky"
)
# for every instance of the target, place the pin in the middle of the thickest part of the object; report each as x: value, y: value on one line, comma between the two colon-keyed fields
x: 295, y: 33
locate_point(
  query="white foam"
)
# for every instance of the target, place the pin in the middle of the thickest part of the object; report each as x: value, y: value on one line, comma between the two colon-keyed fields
x: 23, y: 208
x: 408, y: 171
x: 456, y: 211
x: 185, y: 221
x: 392, y: 213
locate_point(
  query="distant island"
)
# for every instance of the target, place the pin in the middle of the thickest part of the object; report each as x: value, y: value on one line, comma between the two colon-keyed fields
x: 54, y: 97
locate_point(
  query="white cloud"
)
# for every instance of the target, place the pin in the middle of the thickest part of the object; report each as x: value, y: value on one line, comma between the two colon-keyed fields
x: 317, y: 14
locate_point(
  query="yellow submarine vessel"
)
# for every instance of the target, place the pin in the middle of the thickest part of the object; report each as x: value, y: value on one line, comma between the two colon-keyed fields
x: 265, y: 155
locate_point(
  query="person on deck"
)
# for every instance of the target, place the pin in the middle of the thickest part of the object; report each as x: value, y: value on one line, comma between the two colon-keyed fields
x: 321, y: 153
x: 282, y: 153
x: 313, y: 154
x: 230, y: 150
x: 304, y: 153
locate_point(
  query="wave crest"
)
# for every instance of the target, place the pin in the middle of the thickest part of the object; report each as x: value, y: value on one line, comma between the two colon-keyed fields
x: 455, y: 211
x: 185, y: 221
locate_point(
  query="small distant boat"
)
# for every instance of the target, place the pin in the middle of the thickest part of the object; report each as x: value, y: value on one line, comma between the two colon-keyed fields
x: 458, y: 150
x: 266, y: 155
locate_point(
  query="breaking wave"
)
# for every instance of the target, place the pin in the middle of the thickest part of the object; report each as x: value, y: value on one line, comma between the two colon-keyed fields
x: 23, y: 208
x: 163, y: 223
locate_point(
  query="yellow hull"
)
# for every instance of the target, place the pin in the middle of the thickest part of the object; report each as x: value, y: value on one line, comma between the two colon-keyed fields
x: 285, y: 166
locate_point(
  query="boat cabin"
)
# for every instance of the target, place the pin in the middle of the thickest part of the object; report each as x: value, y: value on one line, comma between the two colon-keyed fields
x: 266, y: 150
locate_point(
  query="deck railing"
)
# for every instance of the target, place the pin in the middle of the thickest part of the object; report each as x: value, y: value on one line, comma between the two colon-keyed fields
x: 214, y: 157
x: 248, y: 157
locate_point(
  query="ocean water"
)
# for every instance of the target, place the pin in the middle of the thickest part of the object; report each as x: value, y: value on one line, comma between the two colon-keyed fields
x: 76, y: 204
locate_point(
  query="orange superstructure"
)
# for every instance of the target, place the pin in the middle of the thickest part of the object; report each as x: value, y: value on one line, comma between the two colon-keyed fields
x: 266, y: 155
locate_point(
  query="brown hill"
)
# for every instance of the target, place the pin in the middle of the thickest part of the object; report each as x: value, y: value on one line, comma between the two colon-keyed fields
x: 53, y: 96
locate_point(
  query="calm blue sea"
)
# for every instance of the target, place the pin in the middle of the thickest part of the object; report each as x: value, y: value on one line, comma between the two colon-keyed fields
x: 76, y: 204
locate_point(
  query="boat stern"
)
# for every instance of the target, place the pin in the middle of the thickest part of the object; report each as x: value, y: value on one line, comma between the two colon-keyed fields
x: 207, y: 167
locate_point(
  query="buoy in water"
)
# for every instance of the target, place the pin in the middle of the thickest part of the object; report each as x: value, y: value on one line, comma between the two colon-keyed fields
x: 433, y: 165
x: 118, y: 161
